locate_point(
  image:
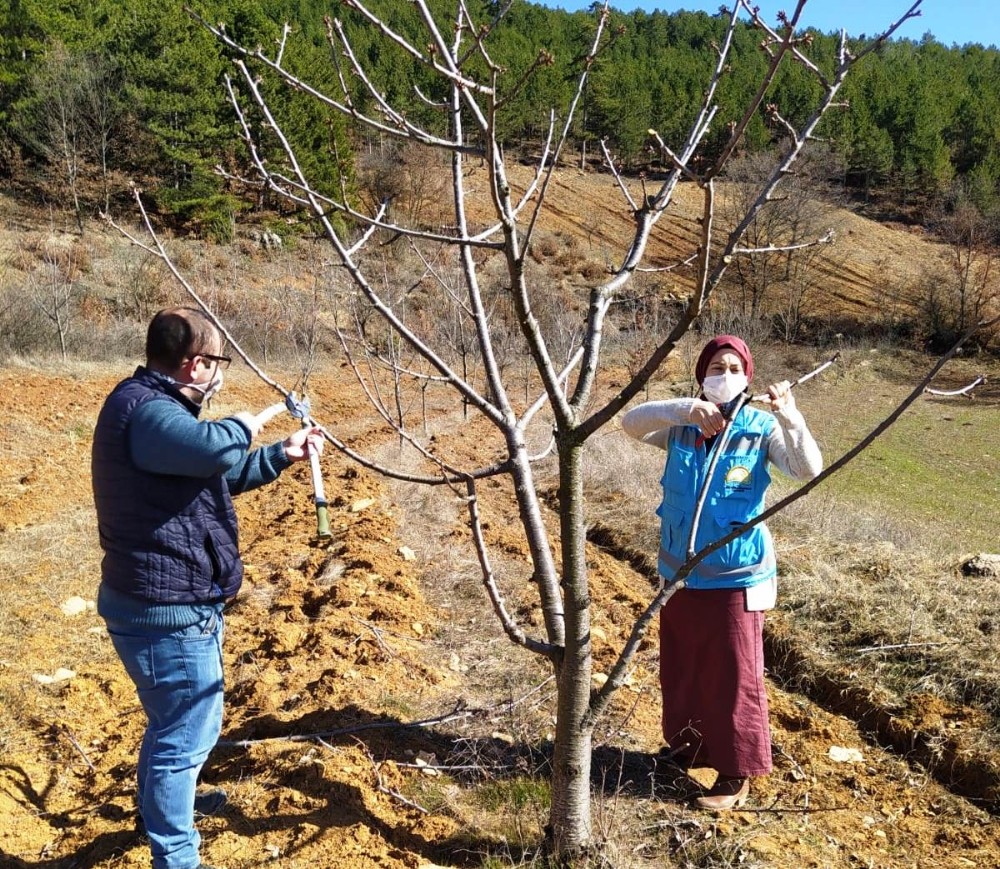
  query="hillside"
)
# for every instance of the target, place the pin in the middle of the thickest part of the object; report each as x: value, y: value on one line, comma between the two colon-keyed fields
x: 870, y: 265
x: 376, y: 714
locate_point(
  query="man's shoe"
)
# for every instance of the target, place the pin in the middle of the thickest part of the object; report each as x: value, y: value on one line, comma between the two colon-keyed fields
x: 208, y: 802
x: 726, y: 793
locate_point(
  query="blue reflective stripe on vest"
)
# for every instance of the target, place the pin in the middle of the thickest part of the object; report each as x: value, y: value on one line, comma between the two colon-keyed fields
x: 735, y: 495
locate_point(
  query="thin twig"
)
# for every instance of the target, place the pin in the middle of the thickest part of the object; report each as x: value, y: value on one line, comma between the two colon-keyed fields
x: 78, y: 747
x: 803, y: 378
x: 458, y: 713
x: 795, y: 764
x: 382, y: 787
x: 867, y: 649
x: 378, y: 637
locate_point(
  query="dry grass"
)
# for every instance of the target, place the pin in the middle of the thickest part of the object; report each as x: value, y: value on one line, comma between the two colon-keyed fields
x: 433, y: 522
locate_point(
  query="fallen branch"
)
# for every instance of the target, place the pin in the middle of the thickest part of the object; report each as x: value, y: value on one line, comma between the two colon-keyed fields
x: 451, y: 767
x: 454, y: 715
x: 867, y: 649
x: 457, y: 714
x: 383, y: 788
x: 377, y: 633
x: 965, y: 390
x: 775, y: 809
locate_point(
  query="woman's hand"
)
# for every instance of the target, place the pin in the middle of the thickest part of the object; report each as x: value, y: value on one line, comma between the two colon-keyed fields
x: 781, y: 396
x: 707, y: 417
x: 298, y: 444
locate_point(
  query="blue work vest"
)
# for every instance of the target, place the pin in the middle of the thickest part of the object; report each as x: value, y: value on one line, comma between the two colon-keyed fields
x: 166, y: 538
x: 735, y: 495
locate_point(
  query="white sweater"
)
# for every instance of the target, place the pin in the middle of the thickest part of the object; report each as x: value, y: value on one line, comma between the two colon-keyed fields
x: 791, y: 447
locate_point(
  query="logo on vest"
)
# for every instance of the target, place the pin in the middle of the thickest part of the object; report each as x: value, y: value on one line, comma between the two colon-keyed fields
x: 737, y: 475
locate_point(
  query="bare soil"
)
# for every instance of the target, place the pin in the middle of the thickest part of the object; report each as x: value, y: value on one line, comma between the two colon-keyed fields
x: 358, y: 665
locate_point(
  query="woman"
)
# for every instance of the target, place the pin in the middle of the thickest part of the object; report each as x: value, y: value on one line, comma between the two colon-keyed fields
x: 711, y: 646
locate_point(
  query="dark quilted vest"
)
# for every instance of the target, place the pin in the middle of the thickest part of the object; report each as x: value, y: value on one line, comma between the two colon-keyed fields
x: 166, y: 539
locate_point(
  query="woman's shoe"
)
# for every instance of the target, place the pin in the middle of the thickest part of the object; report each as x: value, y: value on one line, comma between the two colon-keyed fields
x: 729, y: 792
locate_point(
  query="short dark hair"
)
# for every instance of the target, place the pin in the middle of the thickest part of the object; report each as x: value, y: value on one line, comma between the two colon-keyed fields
x: 176, y: 334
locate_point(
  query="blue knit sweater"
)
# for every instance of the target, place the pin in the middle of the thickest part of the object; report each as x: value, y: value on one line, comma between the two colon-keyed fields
x: 162, y: 444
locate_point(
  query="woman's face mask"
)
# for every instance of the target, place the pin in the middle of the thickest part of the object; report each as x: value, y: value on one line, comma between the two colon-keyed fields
x: 723, y: 388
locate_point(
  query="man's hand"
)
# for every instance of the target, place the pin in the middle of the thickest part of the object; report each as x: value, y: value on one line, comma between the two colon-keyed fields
x: 707, y: 417
x: 250, y: 421
x: 298, y: 444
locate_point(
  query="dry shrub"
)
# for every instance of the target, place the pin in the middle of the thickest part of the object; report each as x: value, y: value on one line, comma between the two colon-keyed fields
x: 568, y: 256
x: 22, y: 258
x: 411, y: 178
x: 24, y: 330
x: 592, y: 271
x: 69, y: 253
x: 135, y: 284
x: 95, y: 310
x: 545, y: 248
x: 184, y: 256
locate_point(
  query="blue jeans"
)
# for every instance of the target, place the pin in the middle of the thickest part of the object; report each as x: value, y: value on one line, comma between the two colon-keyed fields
x: 178, y: 677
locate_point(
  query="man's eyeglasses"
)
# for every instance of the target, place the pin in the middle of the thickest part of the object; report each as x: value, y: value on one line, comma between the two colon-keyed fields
x: 224, y: 361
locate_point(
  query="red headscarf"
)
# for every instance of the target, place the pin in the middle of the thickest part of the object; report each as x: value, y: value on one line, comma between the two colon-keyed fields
x: 730, y: 342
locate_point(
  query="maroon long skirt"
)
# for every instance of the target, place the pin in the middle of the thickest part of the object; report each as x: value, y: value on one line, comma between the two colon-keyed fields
x: 712, y: 679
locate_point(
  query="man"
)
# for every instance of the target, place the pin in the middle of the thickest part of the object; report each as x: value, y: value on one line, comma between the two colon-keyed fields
x: 162, y: 485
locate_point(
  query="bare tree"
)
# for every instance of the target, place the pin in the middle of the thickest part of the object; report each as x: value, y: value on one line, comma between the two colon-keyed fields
x: 54, y: 125
x: 458, y: 53
x: 968, y: 286
x: 102, y: 112
x: 779, y: 280
x: 70, y: 118
x: 54, y: 291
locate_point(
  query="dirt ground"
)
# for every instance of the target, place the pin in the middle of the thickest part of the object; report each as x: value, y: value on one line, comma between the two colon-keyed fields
x: 335, y: 654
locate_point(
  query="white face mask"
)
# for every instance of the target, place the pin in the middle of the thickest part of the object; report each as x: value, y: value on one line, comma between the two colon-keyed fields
x: 211, y: 389
x: 723, y: 388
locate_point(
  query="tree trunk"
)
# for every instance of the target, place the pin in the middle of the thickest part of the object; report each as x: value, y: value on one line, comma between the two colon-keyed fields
x: 570, y: 813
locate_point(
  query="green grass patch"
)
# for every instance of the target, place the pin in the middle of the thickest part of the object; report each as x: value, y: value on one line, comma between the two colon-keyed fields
x: 517, y: 807
x: 516, y: 794
x: 933, y: 471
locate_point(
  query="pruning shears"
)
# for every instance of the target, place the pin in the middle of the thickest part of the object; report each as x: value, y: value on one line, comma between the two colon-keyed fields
x: 299, y: 408
x: 723, y: 439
